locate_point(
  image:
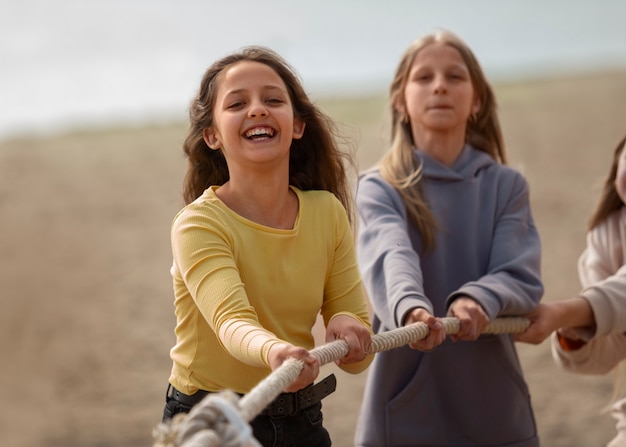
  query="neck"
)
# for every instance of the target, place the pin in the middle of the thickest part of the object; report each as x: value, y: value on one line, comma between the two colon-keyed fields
x: 444, y: 147
x: 269, y: 202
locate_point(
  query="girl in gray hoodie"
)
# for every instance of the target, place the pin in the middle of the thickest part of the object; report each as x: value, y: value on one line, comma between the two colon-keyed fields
x: 445, y: 229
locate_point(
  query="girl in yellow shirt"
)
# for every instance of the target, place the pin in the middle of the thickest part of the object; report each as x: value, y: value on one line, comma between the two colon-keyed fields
x: 262, y: 247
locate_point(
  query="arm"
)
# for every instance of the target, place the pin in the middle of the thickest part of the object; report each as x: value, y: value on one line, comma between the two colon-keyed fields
x: 345, y: 305
x: 389, y: 264
x: 550, y: 316
x: 590, y: 327
x: 598, y: 356
x: 512, y: 283
x: 603, y: 274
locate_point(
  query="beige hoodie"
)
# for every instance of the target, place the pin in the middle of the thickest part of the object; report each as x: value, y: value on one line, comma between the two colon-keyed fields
x: 602, y: 273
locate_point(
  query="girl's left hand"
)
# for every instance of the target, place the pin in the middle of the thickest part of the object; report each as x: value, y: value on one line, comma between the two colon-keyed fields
x: 352, y: 331
x: 472, y: 318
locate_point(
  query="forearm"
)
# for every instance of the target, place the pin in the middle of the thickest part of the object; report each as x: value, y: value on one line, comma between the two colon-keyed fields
x: 248, y: 341
x: 570, y: 317
x: 573, y: 312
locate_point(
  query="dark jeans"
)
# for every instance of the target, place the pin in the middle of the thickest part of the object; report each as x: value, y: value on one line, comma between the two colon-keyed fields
x: 303, y: 429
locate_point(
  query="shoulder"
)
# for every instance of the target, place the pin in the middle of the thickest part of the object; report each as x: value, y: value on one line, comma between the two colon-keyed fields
x: 318, y: 198
x: 204, y: 208
x: 371, y: 176
x: 510, y: 181
x: 375, y: 197
x: 507, y: 173
x: 372, y: 183
x: 608, y: 230
x: 615, y: 220
x: 321, y: 214
x: 618, y: 218
x: 479, y: 160
x: 320, y: 204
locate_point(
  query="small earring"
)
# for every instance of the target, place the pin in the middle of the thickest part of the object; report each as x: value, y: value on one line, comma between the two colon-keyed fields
x: 473, y: 118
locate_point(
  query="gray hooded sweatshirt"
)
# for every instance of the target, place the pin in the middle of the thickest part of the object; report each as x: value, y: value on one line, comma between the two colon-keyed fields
x: 464, y: 393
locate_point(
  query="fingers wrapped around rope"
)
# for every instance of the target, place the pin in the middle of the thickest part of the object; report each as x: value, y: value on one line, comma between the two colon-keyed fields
x: 218, y: 418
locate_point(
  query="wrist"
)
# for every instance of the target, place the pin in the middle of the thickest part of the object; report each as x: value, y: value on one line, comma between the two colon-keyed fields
x: 576, y: 312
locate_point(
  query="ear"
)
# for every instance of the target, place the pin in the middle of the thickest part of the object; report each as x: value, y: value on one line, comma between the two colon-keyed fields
x: 398, y: 105
x: 476, y: 106
x: 211, y: 138
x: 298, y: 128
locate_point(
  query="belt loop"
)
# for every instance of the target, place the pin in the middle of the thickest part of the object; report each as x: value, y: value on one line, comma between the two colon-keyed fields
x: 295, y: 409
x: 186, y: 399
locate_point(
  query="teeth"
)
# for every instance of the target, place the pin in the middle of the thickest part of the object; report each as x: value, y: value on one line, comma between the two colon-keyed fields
x: 259, y: 131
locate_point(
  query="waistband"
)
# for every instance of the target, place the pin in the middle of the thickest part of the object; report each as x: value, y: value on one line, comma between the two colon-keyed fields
x: 286, y: 404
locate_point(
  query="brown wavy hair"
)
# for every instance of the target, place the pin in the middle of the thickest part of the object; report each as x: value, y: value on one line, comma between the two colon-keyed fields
x: 400, y: 167
x: 609, y: 201
x: 316, y: 161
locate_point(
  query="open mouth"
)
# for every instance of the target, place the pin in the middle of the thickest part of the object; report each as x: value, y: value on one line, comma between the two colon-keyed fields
x: 259, y: 133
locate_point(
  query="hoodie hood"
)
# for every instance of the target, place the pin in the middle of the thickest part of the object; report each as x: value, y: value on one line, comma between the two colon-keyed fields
x: 466, y: 166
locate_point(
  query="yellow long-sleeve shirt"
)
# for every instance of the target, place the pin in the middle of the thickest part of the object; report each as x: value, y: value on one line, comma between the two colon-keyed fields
x: 241, y: 287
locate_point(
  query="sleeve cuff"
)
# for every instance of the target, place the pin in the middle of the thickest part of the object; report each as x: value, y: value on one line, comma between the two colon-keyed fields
x: 569, y: 345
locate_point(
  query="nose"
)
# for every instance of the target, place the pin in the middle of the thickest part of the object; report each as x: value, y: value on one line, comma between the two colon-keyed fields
x: 257, y: 109
x: 440, y: 84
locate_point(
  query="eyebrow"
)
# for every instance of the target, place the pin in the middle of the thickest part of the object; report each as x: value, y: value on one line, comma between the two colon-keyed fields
x: 264, y: 88
x: 460, y: 65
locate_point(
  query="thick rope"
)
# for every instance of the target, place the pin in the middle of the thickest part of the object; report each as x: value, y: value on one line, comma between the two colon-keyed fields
x: 220, y: 419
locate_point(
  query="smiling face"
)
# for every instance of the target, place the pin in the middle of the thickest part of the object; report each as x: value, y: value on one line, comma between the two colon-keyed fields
x: 253, y: 118
x: 438, y: 96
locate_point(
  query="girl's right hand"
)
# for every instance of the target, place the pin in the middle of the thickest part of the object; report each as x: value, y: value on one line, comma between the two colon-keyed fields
x: 542, y: 324
x: 565, y: 316
x: 472, y: 318
x: 437, y: 333
x: 282, y: 351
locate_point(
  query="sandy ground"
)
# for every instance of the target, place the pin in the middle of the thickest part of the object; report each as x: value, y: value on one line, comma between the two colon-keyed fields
x: 84, y: 235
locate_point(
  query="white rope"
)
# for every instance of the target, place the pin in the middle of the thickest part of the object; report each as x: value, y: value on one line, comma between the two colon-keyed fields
x: 220, y: 419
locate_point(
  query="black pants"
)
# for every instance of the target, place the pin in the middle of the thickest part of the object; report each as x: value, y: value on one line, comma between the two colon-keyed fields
x: 303, y: 429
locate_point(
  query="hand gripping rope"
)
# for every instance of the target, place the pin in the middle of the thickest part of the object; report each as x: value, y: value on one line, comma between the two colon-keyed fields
x: 221, y: 419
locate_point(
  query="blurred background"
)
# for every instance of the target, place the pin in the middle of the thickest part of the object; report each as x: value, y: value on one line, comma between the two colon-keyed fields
x: 93, y: 99
x: 76, y: 63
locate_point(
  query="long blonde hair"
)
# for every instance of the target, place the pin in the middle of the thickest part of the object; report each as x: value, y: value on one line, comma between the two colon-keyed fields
x: 400, y: 167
